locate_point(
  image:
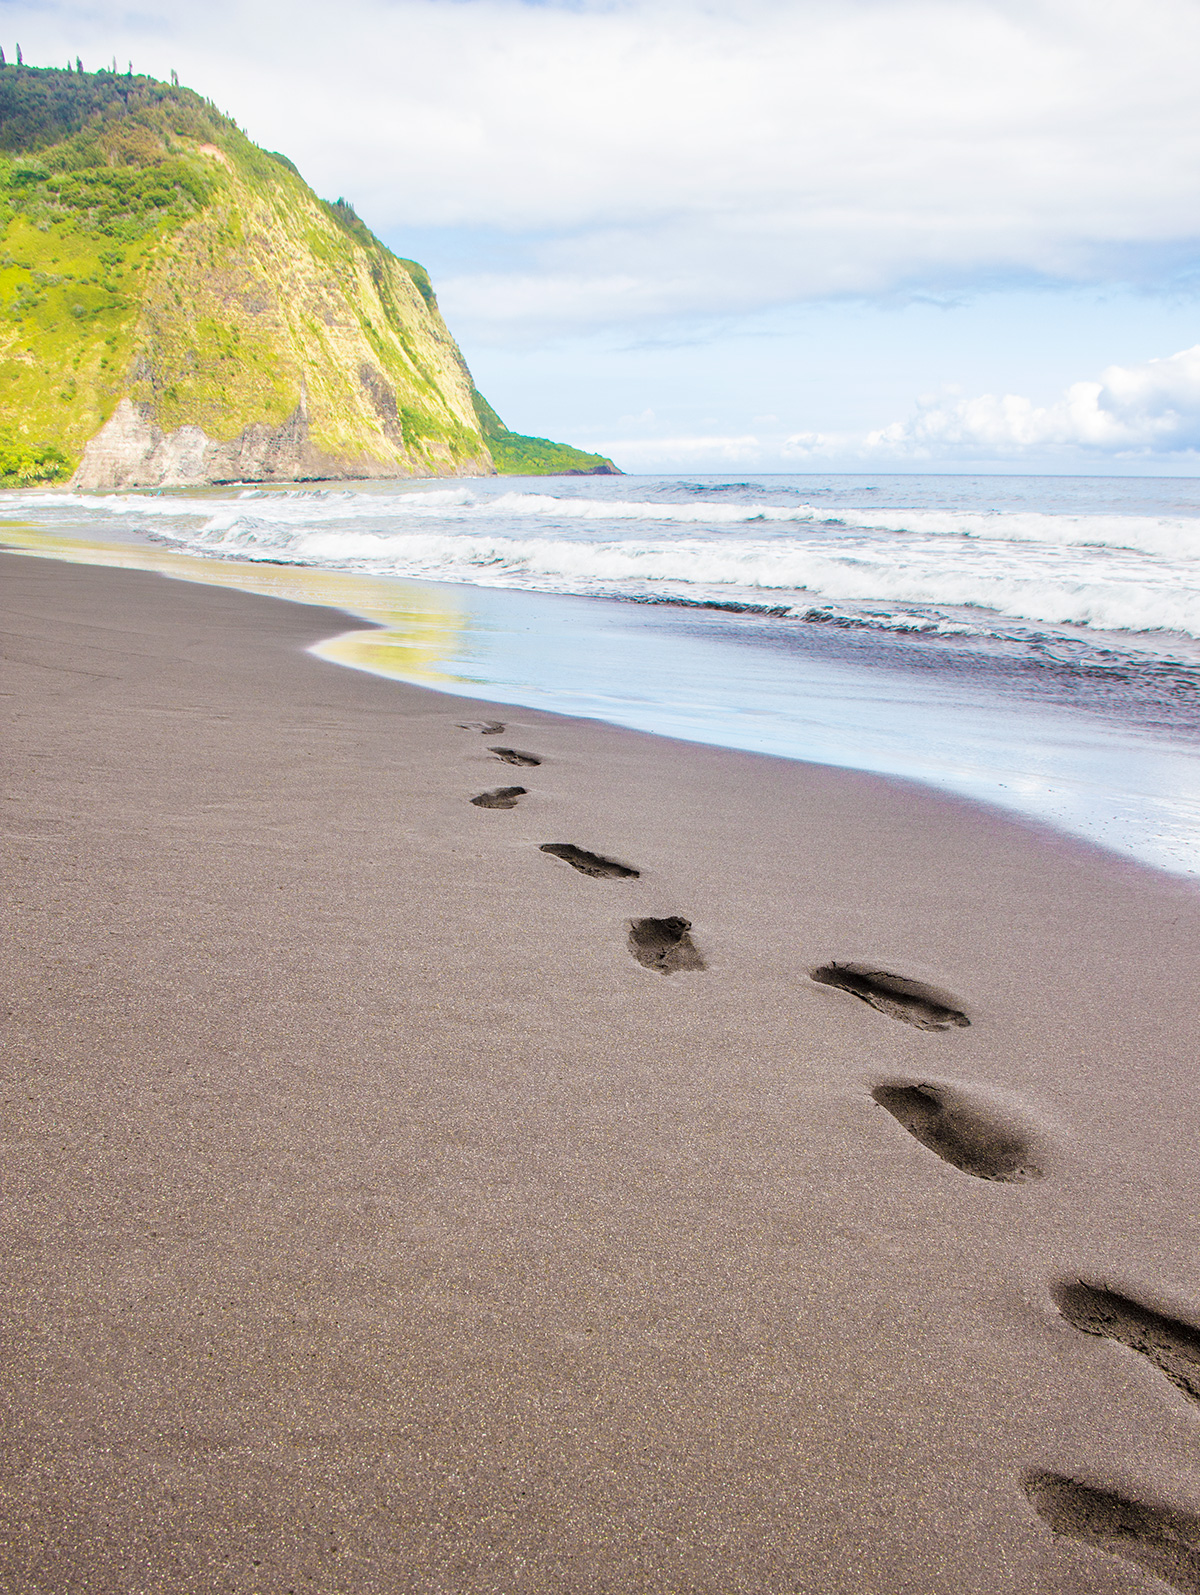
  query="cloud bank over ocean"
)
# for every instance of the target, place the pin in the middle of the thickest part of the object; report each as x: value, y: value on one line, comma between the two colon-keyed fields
x: 1151, y: 409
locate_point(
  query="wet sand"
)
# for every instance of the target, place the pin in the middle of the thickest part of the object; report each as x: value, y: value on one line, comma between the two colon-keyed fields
x: 383, y: 1214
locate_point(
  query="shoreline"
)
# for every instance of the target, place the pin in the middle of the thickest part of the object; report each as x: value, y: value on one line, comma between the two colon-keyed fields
x: 950, y: 728
x: 378, y: 1221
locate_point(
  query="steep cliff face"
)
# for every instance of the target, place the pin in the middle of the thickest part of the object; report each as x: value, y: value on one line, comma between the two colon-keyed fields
x: 177, y: 306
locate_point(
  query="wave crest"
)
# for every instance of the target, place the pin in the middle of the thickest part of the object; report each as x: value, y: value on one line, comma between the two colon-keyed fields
x: 728, y: 544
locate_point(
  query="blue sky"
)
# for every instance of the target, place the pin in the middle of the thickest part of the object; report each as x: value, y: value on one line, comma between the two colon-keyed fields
x: 854, y: 234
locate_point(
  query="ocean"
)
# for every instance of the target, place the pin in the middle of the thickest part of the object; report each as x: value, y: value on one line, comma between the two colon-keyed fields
x: 1031, y: 642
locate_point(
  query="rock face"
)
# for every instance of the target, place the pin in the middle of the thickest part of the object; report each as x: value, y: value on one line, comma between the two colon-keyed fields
x: 131, y: 451
x: 178, y: 307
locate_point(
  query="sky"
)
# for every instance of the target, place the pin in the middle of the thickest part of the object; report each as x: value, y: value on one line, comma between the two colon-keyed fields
x: 862, y: 235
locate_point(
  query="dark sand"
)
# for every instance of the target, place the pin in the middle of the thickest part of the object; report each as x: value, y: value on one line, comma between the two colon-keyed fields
x: 375, y: 1221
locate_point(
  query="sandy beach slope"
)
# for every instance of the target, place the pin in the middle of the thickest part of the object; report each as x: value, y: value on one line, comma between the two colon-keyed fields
x: 374, y: 1220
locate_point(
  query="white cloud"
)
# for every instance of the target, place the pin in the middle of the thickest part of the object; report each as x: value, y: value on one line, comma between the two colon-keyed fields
x: 1145, y: 411
x: 815, y: 446
x: 658, y: 158
x: 1151, y: 408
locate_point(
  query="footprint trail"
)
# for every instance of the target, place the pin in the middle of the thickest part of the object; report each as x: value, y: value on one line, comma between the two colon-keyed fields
x: 1162, y: 1542
x: 515, y: 756
x: 664, y: 944
x: 500, y: 797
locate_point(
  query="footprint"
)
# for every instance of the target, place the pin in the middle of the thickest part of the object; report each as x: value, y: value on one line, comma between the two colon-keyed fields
x: 664, y: 944
x: 489, y: 728
x: 1165, y: 1543
x: 905, y: 999
x: 500, y: 797
x: 959, y: 1131
x: 590, y: 863
x: 1172, y: 1346
x: 515, y: 756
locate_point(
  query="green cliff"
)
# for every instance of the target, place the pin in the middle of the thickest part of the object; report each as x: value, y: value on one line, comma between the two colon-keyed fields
x: 177, y: 306
x: 516, y: 455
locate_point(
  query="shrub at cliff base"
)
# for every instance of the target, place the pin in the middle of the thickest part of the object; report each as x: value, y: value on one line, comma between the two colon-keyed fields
x: 24, y: 466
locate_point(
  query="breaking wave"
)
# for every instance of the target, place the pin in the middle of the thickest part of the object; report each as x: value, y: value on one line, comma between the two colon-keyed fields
x: 757, y: 545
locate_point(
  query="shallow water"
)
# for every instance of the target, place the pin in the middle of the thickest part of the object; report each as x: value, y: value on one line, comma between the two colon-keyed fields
x: 1094, y: 729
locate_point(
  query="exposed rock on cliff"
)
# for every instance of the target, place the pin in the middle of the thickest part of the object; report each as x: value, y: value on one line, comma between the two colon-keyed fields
x: 131, y: 451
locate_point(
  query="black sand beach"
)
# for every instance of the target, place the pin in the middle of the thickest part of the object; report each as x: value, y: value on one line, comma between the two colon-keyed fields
x: 377, y: 1219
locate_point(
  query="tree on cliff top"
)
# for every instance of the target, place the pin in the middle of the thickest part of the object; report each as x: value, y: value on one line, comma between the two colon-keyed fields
x: 44, y: 106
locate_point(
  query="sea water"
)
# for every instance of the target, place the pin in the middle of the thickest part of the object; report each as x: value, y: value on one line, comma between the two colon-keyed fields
x: 1033, y: 642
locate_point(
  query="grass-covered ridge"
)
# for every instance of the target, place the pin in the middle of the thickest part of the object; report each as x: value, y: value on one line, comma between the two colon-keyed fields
x: 150, y: 252
x: 96, y: 173
x: 518, y: 455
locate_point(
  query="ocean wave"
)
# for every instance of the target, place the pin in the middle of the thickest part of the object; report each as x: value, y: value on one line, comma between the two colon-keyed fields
x: 1172, y: 536
x: 1147, y: 534
x: 1105, y: 589
x: 1111, y: 572
x: 300, y: 505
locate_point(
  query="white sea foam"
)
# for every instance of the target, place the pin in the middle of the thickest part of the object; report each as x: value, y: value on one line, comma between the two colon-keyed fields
x: 1150, y: 534
x: 1154, y: 534
x: 1050, y: 584
x: 1115, y: 572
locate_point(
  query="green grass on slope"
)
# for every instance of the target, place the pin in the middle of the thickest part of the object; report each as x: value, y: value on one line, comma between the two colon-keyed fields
x: 517, y: 455
x: 93, y: 179
x: 23, y: 466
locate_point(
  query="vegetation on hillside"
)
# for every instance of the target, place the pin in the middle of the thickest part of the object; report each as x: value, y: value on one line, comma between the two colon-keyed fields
x: 93, y: 174
x: 518, y: 455
x: 149, y: 250
x: 40, y: 106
